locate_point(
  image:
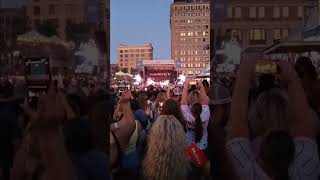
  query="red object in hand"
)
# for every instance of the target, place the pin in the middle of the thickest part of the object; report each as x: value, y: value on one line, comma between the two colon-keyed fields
x: 197, y: 156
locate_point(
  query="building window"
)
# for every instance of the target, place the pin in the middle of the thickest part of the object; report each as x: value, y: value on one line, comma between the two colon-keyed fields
x: 230, y: 12
x: 238, y: 12
x: 276, y: 12
x: 36, y: 10
x: 257, y: 35
x: 262, y: 12
x: 285, y: 33
x: 285, y: 12
x: 253, y: 12
x: 300, y: 12
x: 52, y: 9
x: 277, y: 34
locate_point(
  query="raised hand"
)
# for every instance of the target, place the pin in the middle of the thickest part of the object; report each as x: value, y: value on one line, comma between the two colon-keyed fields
x: 187, y: 82
x: 247, y: 68
x: 52, y: 111
x: 125, y: 97
x: 287, y: 72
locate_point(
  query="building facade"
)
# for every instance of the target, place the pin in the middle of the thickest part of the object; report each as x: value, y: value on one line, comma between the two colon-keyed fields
x: 114, y: 68
x: 130, y: 56
x: 56, y: 12
x: 257, y: 24
x: 190, y: 35
x: 12, y: 23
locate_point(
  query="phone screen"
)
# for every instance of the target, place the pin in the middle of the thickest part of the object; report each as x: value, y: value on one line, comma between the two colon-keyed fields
x: 37, y: 67
x: 266, y: 67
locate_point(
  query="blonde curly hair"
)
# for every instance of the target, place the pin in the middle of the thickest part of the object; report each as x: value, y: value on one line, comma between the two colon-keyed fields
x: 165, y: 157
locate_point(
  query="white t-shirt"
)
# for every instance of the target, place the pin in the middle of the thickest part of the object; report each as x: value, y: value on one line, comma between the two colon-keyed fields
x: 304, y: 167
x: 191, y: 124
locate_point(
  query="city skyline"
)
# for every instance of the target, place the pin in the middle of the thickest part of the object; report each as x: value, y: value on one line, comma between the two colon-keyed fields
x: 140, y: 23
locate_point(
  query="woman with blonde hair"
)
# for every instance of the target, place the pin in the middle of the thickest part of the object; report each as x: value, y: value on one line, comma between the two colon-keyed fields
x: 166, y: 157
x: 269, y: 111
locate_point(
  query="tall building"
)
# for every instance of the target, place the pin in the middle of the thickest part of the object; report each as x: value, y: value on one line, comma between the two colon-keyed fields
x: 94, y: 11
x: 129, y: 56
x: 257, y: 24
x: 190, y: 36
x: 56, y: 12
x: 12, y: 24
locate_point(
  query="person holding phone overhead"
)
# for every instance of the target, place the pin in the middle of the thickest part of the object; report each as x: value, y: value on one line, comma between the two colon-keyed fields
x: 197, y: 116
x: 283, y: 153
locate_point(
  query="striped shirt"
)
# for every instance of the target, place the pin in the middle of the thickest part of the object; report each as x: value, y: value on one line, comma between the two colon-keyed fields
x: 304, y: 167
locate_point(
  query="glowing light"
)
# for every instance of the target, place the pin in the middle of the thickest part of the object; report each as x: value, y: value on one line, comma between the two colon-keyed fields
x: 150, y: 82
x: 182, y: 79
x: 90, y: 53
x: 164, y: 83
x: 138, y: 78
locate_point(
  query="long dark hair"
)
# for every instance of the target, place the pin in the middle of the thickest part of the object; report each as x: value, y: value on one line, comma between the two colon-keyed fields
x: 196, y: 110
x: 277, y: 153
x: 171, y: 107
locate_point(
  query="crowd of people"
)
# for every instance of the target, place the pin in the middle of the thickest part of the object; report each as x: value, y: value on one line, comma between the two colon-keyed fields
x: 248, y: 127
x: 252, y: 127
x: 63, y: 137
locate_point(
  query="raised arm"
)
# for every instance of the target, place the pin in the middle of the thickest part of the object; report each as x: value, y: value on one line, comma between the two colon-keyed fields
x: 125, y: 127
x: 168, y: 92
x: 238, y: 122
x: 204, y: 99
x: 184, y: 99
x: 46, y: 131
x: 301, y: 123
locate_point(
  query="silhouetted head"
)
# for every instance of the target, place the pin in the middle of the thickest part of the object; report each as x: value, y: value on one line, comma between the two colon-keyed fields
x: 172, y: 107
x: 277, y: 151
x: 306, y: 69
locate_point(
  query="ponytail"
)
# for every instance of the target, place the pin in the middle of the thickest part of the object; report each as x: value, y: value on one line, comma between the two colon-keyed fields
x: 277, y: 152
x: 196, y: 111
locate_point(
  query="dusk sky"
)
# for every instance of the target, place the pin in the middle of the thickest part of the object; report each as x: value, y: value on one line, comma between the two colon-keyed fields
x: 138, y: 22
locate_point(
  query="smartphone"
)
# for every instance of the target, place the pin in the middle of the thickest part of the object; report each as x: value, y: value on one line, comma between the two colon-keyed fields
x: 266, y: 67
x: 38, y: 78
x: 193, y: 83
